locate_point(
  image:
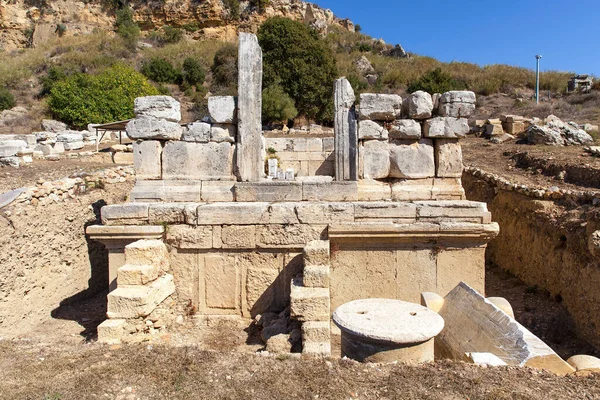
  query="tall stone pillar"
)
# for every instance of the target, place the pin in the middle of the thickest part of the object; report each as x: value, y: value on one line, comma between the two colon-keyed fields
x: 346, y: 135
x: 250, y: 70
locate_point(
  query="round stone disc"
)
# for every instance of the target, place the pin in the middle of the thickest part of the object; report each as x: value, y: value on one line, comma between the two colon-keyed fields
x: 388, y: 320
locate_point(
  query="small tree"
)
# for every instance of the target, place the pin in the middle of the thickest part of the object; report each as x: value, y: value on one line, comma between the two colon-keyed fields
x: 7, y: 100
x: 277, y: 105
x: 160, y: 70
x: 171, y: 34
x: 233, y: 7
x: 193, y: 73
x: 126, y: 27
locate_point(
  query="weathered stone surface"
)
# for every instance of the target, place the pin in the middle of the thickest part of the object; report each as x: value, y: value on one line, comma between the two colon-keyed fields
x: 487, y: 359
x: 111, y: 331
x: 167, y: 213
x: 375, y: 159
x: 380, y: 107
x: 51, y: 125
x: 328, y: 144
x: 288, y: 236
x: 412, y: 159
x: 10, y: 161
x: 222, y: 109
x: 473, y: 324
x: 456, y: 110
x: 197, y: 132
x: 69, y: 137
x: 316, y: 331
x: 316, y: 276
x: 73, y: 145
x: 544, y: 135
x: 217, y: 191
x: 368, y: 129
x: 458, y: 211
x: 458, y: 96
x: 502, y: 304
x: 147, y: 252
x: 250, y: 152
x: 246, y: 214
x: 346, y: 135
x: 405, y: 129
x: 419, y: 105
x: 316, y: 252
x: 148, y: 128
x: 431, y: 300
x: 445, y: 128
x: 223, y: 133
x: 147, y: 159
x: 185, y: 160
x: 10, y: 148
x: 161, y: 107
x: 139, y: 301
x: 583, y: 363
x: 389, y: 211
x: 309, y: 304
x: 238, y: 236
x: 324, y: 213
x: 221, y: 282
x: 412, y: 189
x: 371, y: 190
x: 137, y: 274
x: 188, y: 237
x: 30, y: 139
x: 330, y: 191
x: 268, y: 191
x: 125, y: 211
x: 262, y: 281
x: 448, y: 160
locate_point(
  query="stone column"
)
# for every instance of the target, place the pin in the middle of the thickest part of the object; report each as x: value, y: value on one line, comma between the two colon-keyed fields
x: 346, y: 140
x: 249, y: 151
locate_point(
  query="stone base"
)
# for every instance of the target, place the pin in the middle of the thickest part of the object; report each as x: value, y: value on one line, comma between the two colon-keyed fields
x: 369, y: 351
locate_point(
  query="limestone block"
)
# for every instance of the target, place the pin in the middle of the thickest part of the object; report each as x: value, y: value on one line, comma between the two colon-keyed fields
x: 456, y: 110
x: 583, y: 363
x: 69, y: 137
x: 431, y: 300
x: 328, y: 144
x: 487, y: 359
x: 502, y: 304
x: 73, y: 145
x: 213, y: 191
x: 316, y: 331
x: 51, y: 125
x: 223, y: 133
x: 413, y: 160
x: 493, y: 130
x: 324, y: 213
x: 10, y: 148
x: 222, y: 109
x: 221, y: 282
x: 316, y: 252
x: 346, y: 135
x: 147, y: 128
x: 182, y: 191
x: 139, y: 301
x: 58, y: 148
x: 314, y: 144
x: 316, y: 276
x: 31, y: 139
x: 111, y: 331
x: 137, y: 274
x: 147, y: 159
x: 250, y: 71
x: 378, y: 211
x: 368, y: 129
x: 405, y: 129
x: 375, y: 159
x: 247, y: 214
x: 197, y: 132
x: 419, y: 105
x: 448, y: 160
x: 475, y: 325
x: 412, y: 189
x: 167, y: 213
x: 457, y: 211
x: 268, y: 191
x: 288, y: 236
x: 238, y: 236
x: 188, y: 237
x: 380, y: 107
x: 147, y: 252
x: 262, y: 281
x: 458, y: 96
x: 309, y: 304
x: 371, y: 190
x: 330, y: 191
x: 161, y: 107
x: 316, y: 348
x: 448, y: 189
x: 446, y: 128
x: 201, y: 161
x: 125, y: 211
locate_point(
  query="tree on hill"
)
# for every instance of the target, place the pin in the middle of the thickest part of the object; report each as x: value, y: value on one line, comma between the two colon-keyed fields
x: 296, y: 58
x: 80, y: 99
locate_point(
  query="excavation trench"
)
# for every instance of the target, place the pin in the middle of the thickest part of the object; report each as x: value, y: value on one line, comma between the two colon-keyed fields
x: 548, y: 244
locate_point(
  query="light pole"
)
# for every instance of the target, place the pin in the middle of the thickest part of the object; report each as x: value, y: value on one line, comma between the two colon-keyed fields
x: 537, y: 79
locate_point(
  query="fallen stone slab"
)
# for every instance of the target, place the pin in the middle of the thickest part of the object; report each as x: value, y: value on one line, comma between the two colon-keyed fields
x: 51, y: 125
x: 69, y: 137
x: 10, y: 161
x: 10, y: 148
x: 160, y: 107
x: 73, y: 145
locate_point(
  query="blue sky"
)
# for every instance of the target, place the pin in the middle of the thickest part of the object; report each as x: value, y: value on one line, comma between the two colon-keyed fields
x: 565, y: 33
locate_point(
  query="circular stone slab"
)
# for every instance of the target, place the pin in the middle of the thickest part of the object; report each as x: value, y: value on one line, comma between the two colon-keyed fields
x: 387, y: 320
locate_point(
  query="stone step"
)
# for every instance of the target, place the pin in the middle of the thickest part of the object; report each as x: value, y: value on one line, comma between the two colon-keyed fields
x: 316, y: 332
x: 316, y: 276
x: 309, y: 303
x: 316, y: 252
x: 137, y: 274
x: 147, y: 252
x: 139, y: 301
x: 317, y: 348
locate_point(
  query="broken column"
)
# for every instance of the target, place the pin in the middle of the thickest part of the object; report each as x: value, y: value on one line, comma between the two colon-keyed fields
x: 249, y: 152
x: 346, y: 140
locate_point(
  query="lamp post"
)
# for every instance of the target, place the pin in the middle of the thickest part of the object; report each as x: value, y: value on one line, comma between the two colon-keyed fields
x: 537, y: 79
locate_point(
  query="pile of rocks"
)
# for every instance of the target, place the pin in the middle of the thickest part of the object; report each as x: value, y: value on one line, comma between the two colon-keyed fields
x: 557, y: 133
x: 47, y: 192
x: 279, y: 333
x: 413, y: 139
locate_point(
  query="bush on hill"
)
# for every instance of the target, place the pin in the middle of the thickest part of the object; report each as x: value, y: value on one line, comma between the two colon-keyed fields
x: 435, y: 81
x: 81, y: 99
x: 126, y: 27
x: 295, y: 56
x: 7, y: 100
x: 160, y: 70
x: 193, y: 73
x: 225, y: 70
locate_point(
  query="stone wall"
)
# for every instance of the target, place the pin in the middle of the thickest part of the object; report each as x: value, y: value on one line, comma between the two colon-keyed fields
x: 307, y: 155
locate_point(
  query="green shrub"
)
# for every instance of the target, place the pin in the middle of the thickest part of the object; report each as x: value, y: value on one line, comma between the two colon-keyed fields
x: 225, y: 70
x: 233, y: 7
x: 7, y: 100
x: 160, y: 70
x: 126, y: 27
x: 171, y: 34
x: 61, y: 29
x: 193, y: 73
x: 295, y: 56
x: 53, y: 75
x: 81, y: 99
x: 357, y: 28
x: 191, y: 27
x: 260, y: 4
x: 435, y: 81
x: 277, y: 105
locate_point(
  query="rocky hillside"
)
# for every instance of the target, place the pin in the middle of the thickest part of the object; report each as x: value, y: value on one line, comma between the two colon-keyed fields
x: 29, y: 23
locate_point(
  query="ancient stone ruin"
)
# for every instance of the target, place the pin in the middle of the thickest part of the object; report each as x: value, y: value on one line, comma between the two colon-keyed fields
x: 232, y: 223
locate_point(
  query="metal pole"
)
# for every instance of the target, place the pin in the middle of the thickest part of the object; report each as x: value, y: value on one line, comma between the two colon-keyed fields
x: 537, y: 79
